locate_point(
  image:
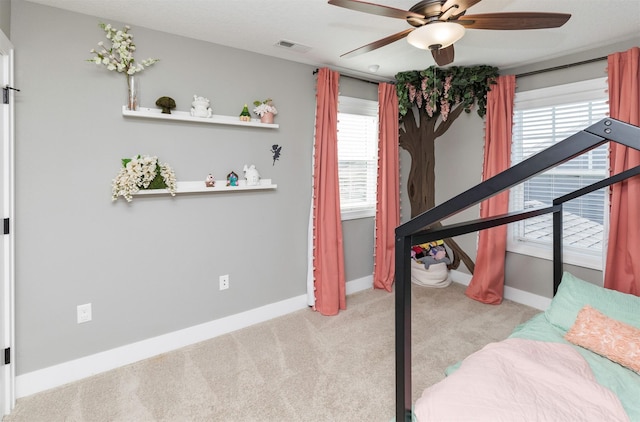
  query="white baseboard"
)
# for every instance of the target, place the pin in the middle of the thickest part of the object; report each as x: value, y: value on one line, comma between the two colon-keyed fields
x: 510, y: 293
x: 460, y: 277
x: 359, y: 284
x: 64, y: 373
x: 57, y: 375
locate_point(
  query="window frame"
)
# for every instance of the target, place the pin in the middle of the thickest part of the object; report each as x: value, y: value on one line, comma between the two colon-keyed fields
x: 589, y: 90
x: 369, y: 108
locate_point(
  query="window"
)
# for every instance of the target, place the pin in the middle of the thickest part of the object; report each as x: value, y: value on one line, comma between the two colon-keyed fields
x: 541, y: 118
x: 357, y: 156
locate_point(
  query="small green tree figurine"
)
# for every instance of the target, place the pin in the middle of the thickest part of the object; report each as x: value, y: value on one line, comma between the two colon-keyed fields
x: 245, y: 116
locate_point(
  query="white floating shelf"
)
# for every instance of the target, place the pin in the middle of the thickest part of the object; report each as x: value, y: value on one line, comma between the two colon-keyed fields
x: 185, y: 116
x: 220, y: 186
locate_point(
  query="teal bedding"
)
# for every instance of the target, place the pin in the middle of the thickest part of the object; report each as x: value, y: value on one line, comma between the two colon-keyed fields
x: 552, y: 325
x: 622, y: 381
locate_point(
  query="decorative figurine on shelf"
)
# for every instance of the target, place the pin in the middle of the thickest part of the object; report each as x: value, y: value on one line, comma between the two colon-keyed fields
x: 276, y: 151
x: 166, y: 104
x: 143, y: 172
x: 232, y: 179
x: 201, y: 107
x: 209, y: 181
x: 265, y: 109
x: 251, y: 175
x: 245, y: 116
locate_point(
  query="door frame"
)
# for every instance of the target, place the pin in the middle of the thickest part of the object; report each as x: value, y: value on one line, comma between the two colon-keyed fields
x: 7, y: 381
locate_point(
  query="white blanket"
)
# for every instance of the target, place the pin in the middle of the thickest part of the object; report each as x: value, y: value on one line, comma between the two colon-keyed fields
x: 521, y: 380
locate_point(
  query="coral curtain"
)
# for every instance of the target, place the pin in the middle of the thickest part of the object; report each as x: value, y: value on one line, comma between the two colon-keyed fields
x: 487, y: 283
x: 622, y: 271
x: 388, y: 188
x: 328, y: 255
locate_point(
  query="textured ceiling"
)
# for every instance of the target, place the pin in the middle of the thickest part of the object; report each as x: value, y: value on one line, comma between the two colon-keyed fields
x: 329, y: 31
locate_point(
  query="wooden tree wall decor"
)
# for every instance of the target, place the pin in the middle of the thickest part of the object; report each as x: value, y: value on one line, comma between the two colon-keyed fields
x: 439, y: 96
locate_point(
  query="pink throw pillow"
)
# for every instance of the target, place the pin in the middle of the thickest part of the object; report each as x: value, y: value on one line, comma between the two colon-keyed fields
x: 607, y: 337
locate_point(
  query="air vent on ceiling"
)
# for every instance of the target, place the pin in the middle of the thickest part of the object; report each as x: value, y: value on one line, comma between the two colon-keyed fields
x: 290, y: 45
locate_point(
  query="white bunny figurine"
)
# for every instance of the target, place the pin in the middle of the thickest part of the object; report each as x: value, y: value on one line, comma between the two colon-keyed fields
x: 251, y: 175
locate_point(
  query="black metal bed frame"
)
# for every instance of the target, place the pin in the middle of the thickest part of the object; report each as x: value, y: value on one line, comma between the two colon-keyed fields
x: 416, y: 231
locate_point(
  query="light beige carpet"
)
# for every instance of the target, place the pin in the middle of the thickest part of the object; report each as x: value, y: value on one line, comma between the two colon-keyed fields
x: 300, y: 367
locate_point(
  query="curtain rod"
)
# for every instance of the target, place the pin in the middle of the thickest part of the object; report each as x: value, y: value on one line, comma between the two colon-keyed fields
x: 352, y: 77
x: 520, y: 75
x: 564, y: 66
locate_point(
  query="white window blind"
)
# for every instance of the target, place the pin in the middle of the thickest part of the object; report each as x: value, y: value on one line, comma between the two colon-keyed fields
x: 357, y: 156
x: 542, y: 118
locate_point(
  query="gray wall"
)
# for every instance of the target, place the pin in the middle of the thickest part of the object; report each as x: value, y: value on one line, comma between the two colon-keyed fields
x: 524, y: 272
x: 459, y: 166
x: 358, y: 235
x: 5, y: 16
x: 151, y: 267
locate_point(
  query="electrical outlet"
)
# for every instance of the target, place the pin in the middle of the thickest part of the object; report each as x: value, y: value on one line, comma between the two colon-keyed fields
x: 224, y: 282
x: 84, y: 313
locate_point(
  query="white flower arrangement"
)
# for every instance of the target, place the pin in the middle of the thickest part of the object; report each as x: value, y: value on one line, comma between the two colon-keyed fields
x: 119, y: 56
x: 142, y: 172
x: 263, y: 107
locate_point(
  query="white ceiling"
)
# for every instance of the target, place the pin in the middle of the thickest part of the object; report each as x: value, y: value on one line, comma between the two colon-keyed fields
x: 329, y: 31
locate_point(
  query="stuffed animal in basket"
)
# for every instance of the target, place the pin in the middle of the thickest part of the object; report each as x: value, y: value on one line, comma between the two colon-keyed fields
x: 430, y: 253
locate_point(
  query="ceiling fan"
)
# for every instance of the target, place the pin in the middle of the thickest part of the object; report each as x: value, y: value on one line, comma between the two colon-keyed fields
x: 437, y: 24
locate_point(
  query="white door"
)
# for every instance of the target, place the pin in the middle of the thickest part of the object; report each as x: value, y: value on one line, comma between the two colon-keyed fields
x: 7, y: 398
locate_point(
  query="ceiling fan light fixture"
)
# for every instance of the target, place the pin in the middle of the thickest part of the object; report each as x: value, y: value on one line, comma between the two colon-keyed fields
x: 436, y: 35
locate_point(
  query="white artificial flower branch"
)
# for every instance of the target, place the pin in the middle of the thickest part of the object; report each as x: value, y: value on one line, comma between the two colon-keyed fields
x: 138, y: 173
x: 119, y: 55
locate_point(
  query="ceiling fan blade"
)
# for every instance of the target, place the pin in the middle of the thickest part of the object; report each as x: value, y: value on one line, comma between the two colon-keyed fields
x: 515, y: 20
x: 377, y: 44
x: 443, y: 56
x: 452, y: 8
x: 376, y: 9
